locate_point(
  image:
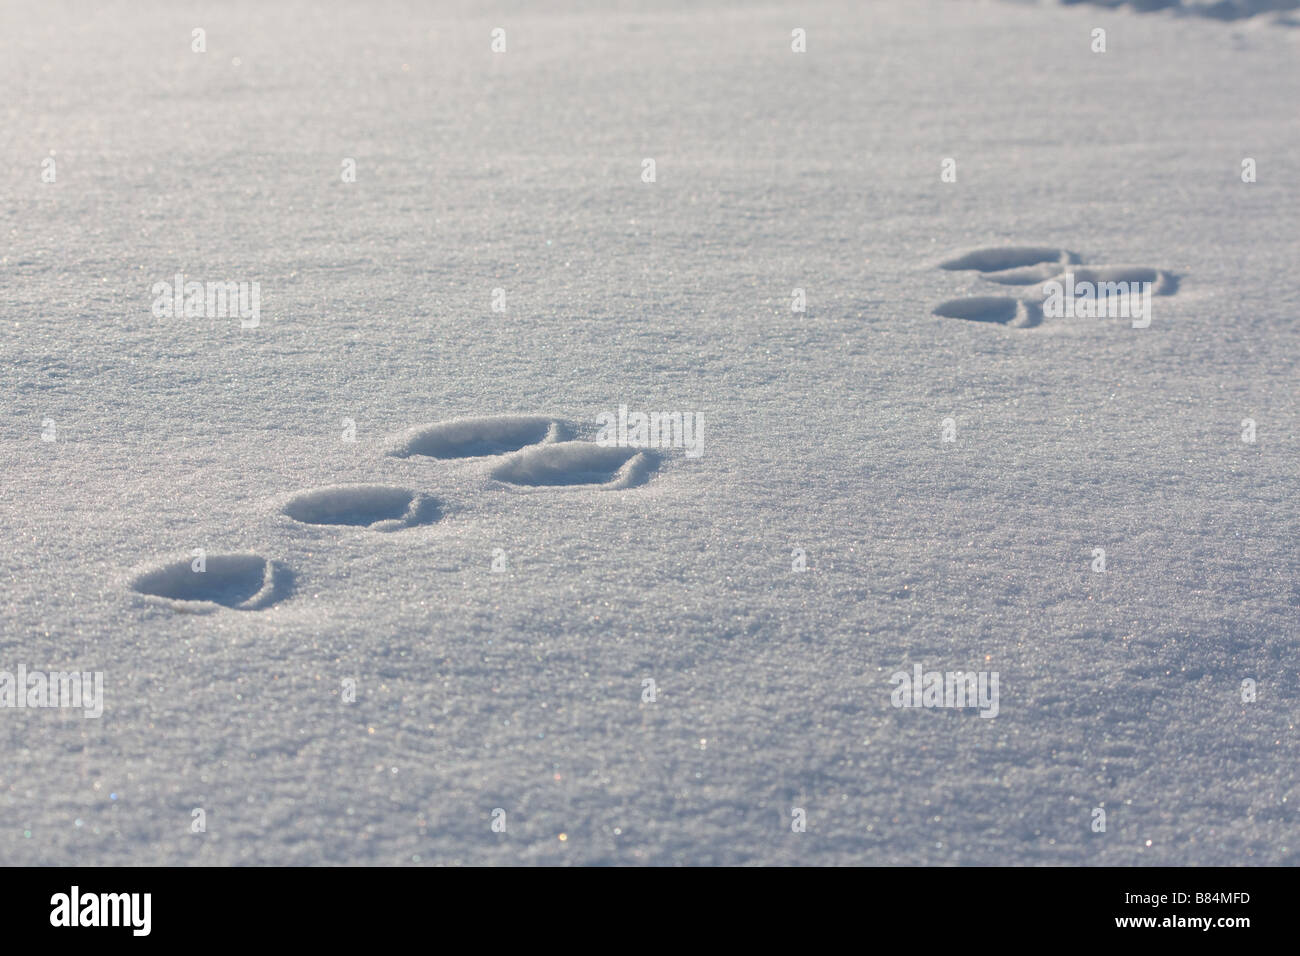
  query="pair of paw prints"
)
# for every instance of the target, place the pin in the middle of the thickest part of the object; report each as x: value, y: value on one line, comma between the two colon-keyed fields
x: 534, y: 451
x: 1035, y: 266
x: 544, y: 454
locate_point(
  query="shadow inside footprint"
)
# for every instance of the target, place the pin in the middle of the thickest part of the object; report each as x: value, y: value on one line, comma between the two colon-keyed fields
x: 1001, y: 258
x: 475, y: 437
x: 243, y: 582
x: 1002, y: 310
x: 378, y: 507
x: 577, y: 463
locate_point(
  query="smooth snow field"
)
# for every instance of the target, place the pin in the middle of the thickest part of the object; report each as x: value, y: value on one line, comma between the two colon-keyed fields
x: 375, y: 568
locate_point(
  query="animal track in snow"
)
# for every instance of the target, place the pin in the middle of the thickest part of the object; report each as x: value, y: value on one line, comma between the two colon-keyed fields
x: 577, y: 463
x: 1002, y: 258
x: 242, y: 582
x: 377, y: 507
x: 476, y: 437
x: 247, y: 582
x: 1162, y: 282
x: 1037, y: 266
x: 1003, y: 310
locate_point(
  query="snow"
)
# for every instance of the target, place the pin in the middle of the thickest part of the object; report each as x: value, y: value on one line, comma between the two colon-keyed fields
x: 377, y: 507
x: 245, y: 582
x: 1010, y: 258
x: 476, y: 436
x: 578, y: 463
x: 500, y: 656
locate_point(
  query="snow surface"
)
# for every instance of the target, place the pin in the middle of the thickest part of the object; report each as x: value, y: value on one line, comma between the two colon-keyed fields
x: 521, y: 689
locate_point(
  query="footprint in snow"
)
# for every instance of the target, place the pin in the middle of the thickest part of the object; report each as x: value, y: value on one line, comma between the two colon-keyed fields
x: 577, y: 463
x: 1005, y: 259
x: 1162, y: 282
x: 242, y: 582
x: 1003, y: 310
x: 377, y: 507
x: 477, y: 437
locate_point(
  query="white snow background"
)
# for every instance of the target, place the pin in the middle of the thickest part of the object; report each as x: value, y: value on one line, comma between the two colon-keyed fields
x: 522, y: 690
